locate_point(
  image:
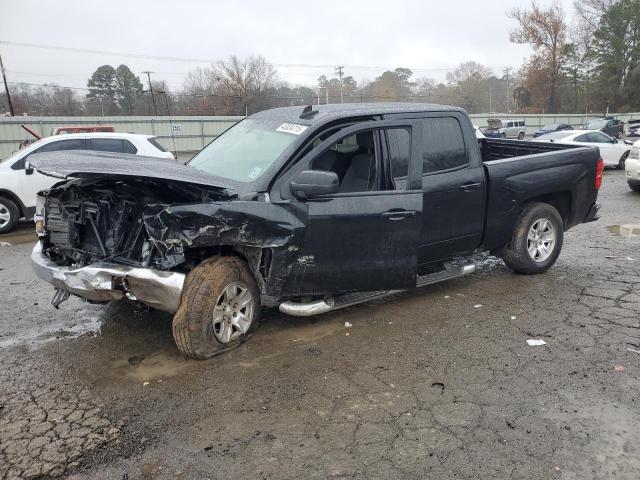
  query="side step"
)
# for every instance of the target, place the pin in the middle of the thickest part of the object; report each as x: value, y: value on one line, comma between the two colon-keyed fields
x: 446, y: 274
x: 316, y: 307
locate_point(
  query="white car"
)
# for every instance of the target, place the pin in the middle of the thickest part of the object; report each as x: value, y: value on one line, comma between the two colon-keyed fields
x: 632, y: 167
x: 612, y: 152
x: 19, y: 185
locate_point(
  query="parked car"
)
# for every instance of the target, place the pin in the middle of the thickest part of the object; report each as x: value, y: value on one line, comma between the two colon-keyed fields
x: 19, y: 184
x: 609, y: 125
x: 505, y: 129
x: 632, y: 167
x: 614, y: 153
x: 309, y: 210
x: 634, y: 128
x: 554, y: 127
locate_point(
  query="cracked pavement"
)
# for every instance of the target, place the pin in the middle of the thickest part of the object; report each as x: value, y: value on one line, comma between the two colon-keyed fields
x: 434, y: 383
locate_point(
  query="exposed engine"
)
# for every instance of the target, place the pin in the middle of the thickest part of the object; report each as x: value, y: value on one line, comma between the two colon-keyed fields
x: 91, y: 220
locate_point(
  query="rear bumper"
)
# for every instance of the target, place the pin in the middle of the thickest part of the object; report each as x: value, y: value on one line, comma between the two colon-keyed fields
x: 103, y: 282
x: 593, y: 214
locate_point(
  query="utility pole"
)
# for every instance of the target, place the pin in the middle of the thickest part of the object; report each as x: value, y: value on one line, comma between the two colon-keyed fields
x: 340, y: 73
x: 6, y: 87
x: 155, y: 109
x: 507, y: 75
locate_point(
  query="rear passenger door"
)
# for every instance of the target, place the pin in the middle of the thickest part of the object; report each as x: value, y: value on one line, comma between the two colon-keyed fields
x: 453, y: 189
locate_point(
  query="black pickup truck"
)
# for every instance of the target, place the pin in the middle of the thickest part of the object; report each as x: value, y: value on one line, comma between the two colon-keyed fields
x: 305, y: 209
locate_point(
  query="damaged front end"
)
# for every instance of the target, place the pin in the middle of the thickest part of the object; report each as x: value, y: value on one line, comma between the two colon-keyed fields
x: 105, y: 238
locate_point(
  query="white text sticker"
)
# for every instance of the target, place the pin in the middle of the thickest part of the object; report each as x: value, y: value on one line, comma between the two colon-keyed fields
x: 291, y: 128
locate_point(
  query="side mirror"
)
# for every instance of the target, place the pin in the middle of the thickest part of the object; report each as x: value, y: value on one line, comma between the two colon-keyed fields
x: 312, y: 183
x: 28, y: 169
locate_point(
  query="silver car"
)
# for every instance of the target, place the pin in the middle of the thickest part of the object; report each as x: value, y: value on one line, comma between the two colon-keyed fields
x: 505, y: 128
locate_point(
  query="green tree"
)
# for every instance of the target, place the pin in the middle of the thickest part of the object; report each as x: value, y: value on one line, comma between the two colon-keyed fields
x: 102, y: 88
x: 615, y: 50
x: 129, y: 88
x: 392, y: 85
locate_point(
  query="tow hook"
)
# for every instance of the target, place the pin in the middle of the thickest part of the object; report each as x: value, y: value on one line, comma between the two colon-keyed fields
x: 59, y: 296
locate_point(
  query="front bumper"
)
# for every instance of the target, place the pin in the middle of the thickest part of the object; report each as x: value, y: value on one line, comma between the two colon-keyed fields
x: 102, y: 282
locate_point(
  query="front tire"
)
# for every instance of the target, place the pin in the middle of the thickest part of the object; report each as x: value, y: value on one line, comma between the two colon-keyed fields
x: 537, y: 240
x: 623, y: 160
x: 219, y: 309
x: 9, y: 215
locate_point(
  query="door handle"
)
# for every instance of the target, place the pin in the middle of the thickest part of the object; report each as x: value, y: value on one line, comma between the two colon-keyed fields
x: 395, y: 215
x: 467, y: 187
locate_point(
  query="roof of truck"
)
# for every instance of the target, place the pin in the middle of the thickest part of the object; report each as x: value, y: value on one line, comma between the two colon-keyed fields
x: 334, y: 111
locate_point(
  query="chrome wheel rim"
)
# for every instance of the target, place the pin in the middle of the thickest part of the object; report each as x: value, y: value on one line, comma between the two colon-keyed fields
x: 5, y: 215
x: 541, y: 240
x: 233, y: 313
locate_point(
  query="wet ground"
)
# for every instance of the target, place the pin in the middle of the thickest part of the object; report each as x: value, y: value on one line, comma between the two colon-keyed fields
x: 437, y: 383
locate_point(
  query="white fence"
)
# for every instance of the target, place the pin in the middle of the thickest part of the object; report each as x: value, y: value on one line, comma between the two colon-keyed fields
x: 189, y: 134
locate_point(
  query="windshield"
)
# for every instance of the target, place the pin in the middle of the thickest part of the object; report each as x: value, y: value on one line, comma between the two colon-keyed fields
x: 556, y: 135
x: 596, y: 124
x: 553, y: 126
x: 245, y: 151
x: 21, y: 151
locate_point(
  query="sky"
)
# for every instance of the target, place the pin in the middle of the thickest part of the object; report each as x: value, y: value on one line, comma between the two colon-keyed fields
x: 302, y: 39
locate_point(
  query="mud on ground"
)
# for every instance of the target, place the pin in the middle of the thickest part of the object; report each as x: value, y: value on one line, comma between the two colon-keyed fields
x: 435, y: 383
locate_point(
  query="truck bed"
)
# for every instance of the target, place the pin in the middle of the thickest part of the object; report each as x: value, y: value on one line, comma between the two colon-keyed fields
x: 496, y: 148
x: 519, y: 172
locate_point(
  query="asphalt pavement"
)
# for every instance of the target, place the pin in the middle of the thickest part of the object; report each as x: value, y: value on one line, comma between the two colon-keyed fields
x: 435, y: 383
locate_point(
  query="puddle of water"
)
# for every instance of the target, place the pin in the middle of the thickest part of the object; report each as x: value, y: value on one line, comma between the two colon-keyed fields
x: 152, y: 368
x: 627, y: 230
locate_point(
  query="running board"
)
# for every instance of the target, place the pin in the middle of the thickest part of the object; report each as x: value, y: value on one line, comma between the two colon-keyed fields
x: 317, y: 307
x: 446, y: 274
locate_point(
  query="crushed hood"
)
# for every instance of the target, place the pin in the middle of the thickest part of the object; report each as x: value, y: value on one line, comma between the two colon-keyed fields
x: 90, y: 164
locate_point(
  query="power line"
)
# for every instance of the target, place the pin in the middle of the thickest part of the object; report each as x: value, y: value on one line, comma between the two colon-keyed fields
x: 339, y: 71
x: 207, y: 60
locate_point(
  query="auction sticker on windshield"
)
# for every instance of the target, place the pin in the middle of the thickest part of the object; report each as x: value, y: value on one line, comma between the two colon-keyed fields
x: 291, y: 128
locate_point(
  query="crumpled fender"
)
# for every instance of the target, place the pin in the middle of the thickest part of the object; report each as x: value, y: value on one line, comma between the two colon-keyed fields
x: 243, y: 223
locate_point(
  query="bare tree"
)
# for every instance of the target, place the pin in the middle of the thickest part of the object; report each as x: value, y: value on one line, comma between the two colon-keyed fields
x: 469, y: 85
x: 546, y: 31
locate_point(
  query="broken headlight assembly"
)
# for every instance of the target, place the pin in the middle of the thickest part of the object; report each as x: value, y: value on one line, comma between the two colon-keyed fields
x: 39, y: 216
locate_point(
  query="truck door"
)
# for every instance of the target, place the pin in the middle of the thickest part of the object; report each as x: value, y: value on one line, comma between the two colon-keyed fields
x: 454, y: 189
x: 363, y: 238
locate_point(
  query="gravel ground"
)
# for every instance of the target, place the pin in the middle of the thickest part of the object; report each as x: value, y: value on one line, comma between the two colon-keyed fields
x: 436, y: 383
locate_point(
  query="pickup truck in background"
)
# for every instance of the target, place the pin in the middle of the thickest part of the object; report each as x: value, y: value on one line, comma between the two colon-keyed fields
x: 307, y: 210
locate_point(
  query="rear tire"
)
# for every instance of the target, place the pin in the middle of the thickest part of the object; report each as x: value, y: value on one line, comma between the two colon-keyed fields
x: 521, y: 136
x: 9, y: 215
x: 635, y: 188
x: 219, y: 308
x: 537, y: 240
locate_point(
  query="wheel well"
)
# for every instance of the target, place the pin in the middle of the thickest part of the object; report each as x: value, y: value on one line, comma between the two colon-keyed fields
x: 561, y: 201
x: 14, y: 198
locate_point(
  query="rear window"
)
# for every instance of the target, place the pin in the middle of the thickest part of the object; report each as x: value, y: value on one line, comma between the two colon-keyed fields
x: 153, y: 141
x: 443, y: 145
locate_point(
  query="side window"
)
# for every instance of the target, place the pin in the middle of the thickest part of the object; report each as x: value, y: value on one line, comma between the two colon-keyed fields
x: 354, y: 159
x: 443, y: 145
x: 522, y: 124
x: 71, y: 144
x: 582, y: 138
x: 129, y: 147
x: 598, y: 137
x: 106, y: 144
x: 399, y: 142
